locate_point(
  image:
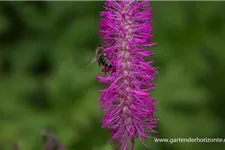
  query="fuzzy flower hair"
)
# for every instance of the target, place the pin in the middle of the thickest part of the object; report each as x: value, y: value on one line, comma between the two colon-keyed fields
x: 128, y: 106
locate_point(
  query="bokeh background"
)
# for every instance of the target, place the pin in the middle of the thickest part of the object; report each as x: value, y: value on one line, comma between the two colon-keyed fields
x: 45, y: 83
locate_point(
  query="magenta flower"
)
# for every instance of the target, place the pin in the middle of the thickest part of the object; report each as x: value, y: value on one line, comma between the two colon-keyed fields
x: 127, y: 103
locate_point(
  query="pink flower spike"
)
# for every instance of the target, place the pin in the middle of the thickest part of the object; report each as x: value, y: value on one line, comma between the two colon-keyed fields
x: 127, y: 103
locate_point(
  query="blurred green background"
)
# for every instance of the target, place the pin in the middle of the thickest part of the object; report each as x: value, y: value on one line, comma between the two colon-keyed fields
x: 45, y: 84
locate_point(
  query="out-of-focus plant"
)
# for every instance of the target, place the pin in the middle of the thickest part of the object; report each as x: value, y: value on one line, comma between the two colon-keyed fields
x: 50, y: 143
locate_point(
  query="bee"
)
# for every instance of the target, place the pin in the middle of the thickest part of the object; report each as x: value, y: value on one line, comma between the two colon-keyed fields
x: 101, y: 58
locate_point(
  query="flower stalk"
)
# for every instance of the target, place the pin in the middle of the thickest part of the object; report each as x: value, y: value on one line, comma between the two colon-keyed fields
x: 127, y: 103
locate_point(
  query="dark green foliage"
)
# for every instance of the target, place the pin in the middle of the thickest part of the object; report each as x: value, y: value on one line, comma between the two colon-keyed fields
x: 45, y: 83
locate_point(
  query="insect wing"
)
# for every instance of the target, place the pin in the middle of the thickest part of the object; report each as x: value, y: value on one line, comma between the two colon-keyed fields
x: 94, y: 59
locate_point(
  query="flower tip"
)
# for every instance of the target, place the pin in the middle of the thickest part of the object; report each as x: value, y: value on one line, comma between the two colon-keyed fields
x: 152, y: 44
